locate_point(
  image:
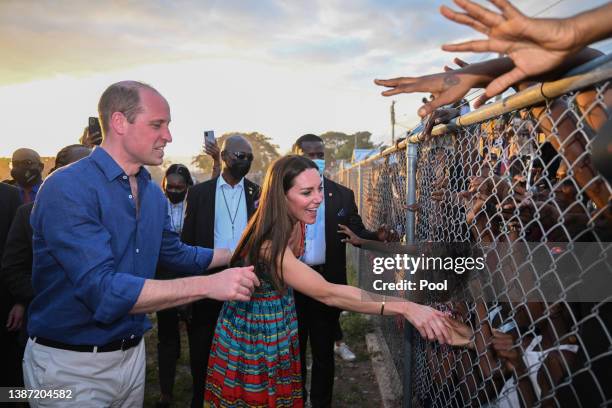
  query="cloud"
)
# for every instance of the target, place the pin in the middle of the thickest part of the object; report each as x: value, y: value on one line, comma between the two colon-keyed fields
x: 42, y: 40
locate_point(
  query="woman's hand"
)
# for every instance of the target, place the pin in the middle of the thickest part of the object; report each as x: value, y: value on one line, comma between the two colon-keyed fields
x: 351, y: 237
x: 432, y: 324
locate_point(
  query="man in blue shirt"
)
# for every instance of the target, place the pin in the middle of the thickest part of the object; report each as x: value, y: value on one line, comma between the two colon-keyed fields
x: 100, y: 227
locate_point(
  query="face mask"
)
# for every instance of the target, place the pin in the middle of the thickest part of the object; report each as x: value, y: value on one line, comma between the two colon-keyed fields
x: 239, y: 169
x: 25, y: 177
x: 320, y: 164
x: 175, y: 197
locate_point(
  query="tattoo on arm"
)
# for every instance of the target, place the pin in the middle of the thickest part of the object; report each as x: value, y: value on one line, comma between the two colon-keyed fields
x: 451, y: 80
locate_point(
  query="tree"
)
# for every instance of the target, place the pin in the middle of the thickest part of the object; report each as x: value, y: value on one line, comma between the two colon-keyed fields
x: 264, y: 152
x: 340, y: 146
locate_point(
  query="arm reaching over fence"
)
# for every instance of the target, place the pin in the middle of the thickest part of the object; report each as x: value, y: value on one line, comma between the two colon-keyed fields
x: 447, y: 87
x: 535, y: 45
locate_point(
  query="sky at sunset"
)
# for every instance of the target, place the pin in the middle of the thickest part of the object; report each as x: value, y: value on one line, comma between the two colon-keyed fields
x: 282, y: 68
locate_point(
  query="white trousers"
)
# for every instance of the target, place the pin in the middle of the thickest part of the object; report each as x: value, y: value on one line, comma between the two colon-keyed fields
x: 110, y: 379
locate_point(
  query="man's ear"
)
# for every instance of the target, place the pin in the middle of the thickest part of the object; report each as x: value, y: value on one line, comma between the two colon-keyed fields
x: 41, y: 166
x: 118, y: 122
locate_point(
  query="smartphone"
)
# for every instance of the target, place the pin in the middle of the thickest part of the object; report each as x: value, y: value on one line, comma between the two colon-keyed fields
x: 209, y: 137
x: 94, y: 126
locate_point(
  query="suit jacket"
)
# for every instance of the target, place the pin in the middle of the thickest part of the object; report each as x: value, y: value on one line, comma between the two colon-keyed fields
x: 16, y: 269
x: 9, y: 202
x: 199, y: 229
x: 340, y: 208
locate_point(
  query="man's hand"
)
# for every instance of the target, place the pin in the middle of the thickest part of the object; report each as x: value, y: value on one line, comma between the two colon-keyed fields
x: 232, y: 284
x: 212, y: 149
x: 535, y: 45
x: 15, y: 317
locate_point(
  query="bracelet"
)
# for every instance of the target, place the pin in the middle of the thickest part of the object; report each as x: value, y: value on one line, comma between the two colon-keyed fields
x: 382, y: 306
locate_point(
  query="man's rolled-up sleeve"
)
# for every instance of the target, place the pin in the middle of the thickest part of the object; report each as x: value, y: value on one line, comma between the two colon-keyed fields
x: 180, y: 257
x: 69, y: 224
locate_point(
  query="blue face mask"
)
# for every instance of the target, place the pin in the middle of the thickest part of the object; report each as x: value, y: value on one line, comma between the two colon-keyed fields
x: 320, y: 164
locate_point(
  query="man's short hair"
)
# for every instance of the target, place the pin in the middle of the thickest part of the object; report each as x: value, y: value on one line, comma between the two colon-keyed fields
x: 305, y: 138
x: 121, y: 97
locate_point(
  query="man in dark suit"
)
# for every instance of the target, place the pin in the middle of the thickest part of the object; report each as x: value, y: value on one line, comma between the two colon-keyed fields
x: 217, y: 213
x: 325, y: 253
x: 9, y: 347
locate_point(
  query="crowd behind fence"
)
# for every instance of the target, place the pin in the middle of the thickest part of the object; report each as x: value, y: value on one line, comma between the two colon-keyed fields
x: 516, y: 174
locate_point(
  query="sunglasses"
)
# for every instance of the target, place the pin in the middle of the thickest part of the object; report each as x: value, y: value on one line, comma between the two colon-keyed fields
x: 242, y: 155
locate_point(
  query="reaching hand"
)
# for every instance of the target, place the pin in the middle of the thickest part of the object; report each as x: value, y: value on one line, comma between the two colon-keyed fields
x: 509, y: 352
x: 535, y: 45
x: 432, y: 324
x: 460, y: 333
x: 351, y: 237
x: 385, y: 233
x: 232, y: 284
x: 446, y: 87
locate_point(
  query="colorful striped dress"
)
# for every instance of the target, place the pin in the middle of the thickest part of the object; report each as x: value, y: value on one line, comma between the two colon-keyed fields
x: 255, y: 355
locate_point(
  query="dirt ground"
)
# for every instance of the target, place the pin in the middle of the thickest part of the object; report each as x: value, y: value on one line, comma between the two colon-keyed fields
x: 355, y: 384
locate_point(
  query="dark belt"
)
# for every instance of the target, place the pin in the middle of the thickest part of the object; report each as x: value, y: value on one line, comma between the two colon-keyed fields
x: 122, y: 344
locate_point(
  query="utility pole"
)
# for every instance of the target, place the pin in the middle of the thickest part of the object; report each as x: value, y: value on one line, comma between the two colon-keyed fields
x: 392, y: 122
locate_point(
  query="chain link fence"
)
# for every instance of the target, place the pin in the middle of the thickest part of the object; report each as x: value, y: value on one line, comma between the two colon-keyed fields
x: 520, y: 184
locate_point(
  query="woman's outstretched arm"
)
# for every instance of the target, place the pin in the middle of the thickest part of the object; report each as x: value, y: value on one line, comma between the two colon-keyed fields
x: 431, y: 324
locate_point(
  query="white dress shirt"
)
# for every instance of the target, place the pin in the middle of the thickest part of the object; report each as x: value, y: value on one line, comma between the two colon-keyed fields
x: 230, y: 214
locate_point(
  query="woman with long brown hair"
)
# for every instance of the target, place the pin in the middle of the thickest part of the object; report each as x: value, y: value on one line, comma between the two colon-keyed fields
x: 254, y: 360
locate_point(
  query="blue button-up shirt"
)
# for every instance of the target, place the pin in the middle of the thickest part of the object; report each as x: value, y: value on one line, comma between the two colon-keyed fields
x: 93, y: 251
x: 31, y: 194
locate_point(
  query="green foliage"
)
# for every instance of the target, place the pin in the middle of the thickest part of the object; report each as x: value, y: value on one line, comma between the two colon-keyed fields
x: 340, y: 146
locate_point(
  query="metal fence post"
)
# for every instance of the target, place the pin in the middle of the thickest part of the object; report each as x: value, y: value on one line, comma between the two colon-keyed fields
x: 411, y: 167
x: 360, y: 210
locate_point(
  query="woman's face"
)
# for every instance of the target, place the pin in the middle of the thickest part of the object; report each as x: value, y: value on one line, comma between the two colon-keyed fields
x: 305, y: 196
x: 175, y: 183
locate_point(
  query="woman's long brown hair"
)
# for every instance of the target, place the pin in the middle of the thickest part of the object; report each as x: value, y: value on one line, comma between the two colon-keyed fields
x: 272, y: 222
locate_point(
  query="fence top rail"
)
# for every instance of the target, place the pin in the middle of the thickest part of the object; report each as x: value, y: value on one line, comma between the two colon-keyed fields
x: 586, y: 75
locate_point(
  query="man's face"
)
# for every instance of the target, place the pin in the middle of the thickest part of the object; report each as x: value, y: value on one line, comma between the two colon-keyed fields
x: 26, y: 159
x: 312, y: 150
x: 238, y: 150
x: 145, y: 139
x: 26, y: 167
